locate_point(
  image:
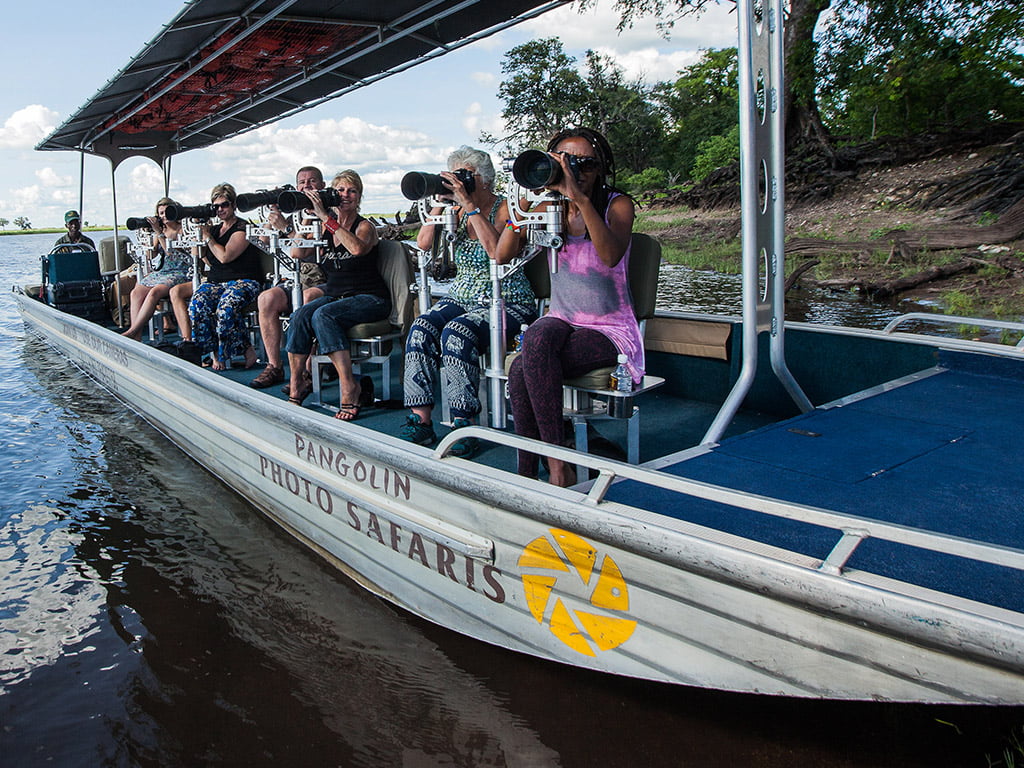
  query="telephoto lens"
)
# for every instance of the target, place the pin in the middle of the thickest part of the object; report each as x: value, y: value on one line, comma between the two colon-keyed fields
x: 248, y: 201
x: 180, y: 212
x: 534, y: 169
x: 416, y: 185
x: 138, y: 222
x: 293, y: 200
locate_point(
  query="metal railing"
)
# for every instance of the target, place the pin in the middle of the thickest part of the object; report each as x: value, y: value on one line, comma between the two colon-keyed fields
x: 957, y: 320
x: 853, y: 530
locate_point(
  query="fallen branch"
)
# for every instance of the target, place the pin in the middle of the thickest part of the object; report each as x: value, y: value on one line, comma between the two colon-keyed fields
x: 889, y: 288
x: 797, y: 273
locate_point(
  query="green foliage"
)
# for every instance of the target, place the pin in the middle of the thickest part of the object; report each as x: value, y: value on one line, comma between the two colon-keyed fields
x: 22, y: 222
x: 3, y: 223
x: 904, y: 67
x: 701, y: 104
x: 647, y: 179
x: 716, y: 152
x: 545, y: 92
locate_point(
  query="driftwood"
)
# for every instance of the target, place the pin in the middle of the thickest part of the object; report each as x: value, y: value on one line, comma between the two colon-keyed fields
x: 797, y: 273
x: 889, y: 288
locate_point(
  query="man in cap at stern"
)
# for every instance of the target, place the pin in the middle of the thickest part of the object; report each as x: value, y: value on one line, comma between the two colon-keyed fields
x: 74, y: 236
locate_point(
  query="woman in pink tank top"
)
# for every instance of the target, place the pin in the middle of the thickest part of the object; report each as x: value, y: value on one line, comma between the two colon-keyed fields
x: 591, y: 319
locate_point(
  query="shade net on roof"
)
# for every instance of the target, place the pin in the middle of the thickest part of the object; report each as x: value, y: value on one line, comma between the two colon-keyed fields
x: 223, y: 67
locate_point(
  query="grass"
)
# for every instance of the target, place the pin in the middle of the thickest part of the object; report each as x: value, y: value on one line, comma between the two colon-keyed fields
x: 721, y: 257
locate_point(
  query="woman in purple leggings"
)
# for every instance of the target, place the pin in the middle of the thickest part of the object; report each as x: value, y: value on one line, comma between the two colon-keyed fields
x: 591, y: 319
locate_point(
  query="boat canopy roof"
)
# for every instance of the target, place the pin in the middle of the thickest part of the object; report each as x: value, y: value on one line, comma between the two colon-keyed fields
x: 223, y: 67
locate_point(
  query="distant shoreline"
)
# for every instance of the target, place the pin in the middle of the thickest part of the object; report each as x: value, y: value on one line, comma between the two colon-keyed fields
x: 53, y: 230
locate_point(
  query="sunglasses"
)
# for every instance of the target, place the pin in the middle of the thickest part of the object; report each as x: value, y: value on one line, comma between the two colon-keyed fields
x: 582, y: 163
x: 221, y: 206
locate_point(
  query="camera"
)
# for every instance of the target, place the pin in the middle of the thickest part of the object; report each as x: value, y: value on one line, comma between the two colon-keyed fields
x: 250, y: 200
x: 181, y: 212
x: 534, y: 169
x: 416, y: 185
x: 292, y: 200
x: 138, y: 222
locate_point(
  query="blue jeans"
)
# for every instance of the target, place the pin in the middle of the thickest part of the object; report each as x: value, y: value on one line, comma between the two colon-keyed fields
x: 328, y: 320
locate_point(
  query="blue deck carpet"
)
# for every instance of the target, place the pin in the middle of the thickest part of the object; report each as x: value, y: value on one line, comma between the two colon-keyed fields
x: 941, y: 454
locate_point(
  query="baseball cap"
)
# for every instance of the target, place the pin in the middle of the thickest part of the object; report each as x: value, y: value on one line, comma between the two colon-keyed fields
x: 70, y: 216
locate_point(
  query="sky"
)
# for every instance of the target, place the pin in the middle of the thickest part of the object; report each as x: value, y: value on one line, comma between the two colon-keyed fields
x: 407, y: 122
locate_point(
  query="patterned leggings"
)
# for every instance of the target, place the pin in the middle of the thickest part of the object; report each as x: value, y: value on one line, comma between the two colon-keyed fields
x: 553, y: 351
x: 452, y: 338
x: 216, y: 314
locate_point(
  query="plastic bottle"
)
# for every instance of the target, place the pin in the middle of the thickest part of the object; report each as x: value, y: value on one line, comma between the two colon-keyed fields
x: 621, y: 380
x: 517, y: 344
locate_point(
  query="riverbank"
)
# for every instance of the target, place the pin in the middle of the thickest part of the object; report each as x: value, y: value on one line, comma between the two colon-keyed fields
x: 856, y: 240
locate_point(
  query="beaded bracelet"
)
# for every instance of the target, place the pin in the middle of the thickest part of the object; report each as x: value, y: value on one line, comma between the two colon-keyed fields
x: 474, y: 212
x: 331, y: 225
x: 510, y: 225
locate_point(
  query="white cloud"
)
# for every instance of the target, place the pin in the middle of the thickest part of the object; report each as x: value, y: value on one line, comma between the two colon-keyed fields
x: 640, y: 49
x: 26, y: 197
x: 27, y: 127
x: 50, y: 178
x: 486, y: 79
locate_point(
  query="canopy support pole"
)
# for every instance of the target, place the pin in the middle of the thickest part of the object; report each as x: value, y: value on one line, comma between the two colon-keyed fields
x: 762, y: 202
x: 117, y: 249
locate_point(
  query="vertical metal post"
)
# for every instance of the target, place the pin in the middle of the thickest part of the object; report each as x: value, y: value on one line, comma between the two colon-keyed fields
x: 117, y: 249
x: 496, y: 354
x: 762, y: 201
x: 81, y: 183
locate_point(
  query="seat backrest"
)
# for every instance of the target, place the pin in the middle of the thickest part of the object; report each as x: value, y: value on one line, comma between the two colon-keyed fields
x: 644, y: 265
x: 395, y: 265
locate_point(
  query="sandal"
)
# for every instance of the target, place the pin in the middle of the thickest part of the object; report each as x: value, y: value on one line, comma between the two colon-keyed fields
x: 348, y: 412
x: 287, y: 388
x: 305, y: 387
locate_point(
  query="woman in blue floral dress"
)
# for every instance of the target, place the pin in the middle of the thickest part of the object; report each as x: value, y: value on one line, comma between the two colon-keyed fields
x: 450, y: 338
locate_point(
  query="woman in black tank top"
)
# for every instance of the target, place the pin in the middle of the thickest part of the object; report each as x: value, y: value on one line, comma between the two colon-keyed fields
x: 233, y: 282
x: 355, y: 293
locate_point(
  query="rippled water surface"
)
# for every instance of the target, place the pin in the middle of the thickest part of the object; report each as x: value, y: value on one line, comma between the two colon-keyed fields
x: 150, y: 617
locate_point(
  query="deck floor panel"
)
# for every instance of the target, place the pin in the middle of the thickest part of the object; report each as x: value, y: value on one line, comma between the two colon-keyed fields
x: 936, y: 453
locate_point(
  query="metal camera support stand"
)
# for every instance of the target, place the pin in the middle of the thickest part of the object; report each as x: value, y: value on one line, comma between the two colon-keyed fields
x: 545, y: 233
x: 448, y: 220
x: 269, y: 239
x: 143, y: 246
x: 191, y: 240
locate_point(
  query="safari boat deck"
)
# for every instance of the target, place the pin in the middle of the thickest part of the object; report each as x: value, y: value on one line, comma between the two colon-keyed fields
x: 933, y: 451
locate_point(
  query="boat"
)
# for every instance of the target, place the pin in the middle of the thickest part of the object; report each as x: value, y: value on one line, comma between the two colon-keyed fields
x: 820, y: 512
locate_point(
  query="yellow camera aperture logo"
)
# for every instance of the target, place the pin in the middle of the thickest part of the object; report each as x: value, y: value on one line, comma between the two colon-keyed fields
x: 582, y: 589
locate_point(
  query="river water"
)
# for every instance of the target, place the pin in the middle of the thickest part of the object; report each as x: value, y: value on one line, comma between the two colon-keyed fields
x: 151, y: 617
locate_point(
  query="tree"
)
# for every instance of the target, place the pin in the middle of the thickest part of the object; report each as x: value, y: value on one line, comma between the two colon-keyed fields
x: 901, y: 68
x: 3, y: 223
x: 544, y: 91
x: 865, y: 34
x: 701, y: 104
x: 22, y: 222
x: 801, y: 107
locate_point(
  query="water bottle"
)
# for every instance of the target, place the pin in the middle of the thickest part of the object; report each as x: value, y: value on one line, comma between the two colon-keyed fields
x: 517, y: 343
x: 621, y: 380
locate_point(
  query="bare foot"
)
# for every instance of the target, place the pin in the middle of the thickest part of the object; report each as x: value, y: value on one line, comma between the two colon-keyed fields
x: 250, y: 357
x: 216, y: 363
x: 136, y: 335
x: 561, y: 474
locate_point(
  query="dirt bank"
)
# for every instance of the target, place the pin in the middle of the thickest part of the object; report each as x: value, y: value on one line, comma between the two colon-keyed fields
x: 874, y: 231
